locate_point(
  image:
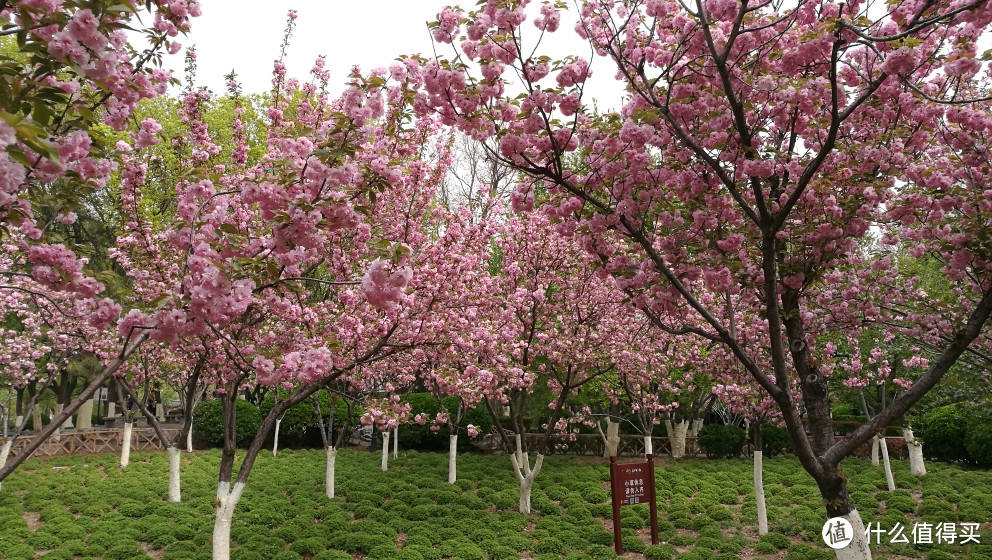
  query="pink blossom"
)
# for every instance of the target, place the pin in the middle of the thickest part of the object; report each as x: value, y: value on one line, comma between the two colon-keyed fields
x: 147, y: 134
x: 383, y: 289
x: 107, y: 310
x: 7, y: 134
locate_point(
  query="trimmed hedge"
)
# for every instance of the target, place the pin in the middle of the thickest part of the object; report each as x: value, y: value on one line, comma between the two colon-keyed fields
x: 722, y: 441
x: 943, y: 431
x: 955, y: 433
x: 209, y: 428
x: 415, y: 436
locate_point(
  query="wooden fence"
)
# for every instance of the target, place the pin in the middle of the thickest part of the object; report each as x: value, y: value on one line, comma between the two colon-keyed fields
x: 633, y: 446
x: 73, y: 442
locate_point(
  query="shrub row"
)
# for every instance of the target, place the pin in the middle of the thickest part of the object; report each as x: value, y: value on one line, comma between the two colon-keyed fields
x: 956, y: 433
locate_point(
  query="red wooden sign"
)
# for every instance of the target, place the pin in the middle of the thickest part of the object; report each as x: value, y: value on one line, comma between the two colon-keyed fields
x: 632, y: 483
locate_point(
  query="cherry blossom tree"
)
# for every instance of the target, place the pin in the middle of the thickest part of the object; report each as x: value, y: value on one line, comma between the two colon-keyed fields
x: 759, y: 145
x: 556, y: 324
x: 342, y: 394
x: 74, y: 69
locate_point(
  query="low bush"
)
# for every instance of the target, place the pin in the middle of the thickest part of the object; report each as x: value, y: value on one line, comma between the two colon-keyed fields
x: 776, y: 540
x: 774, y: 440
x: 722, y: 441
x: 634, y: 544
x: 943, y: 431
x: 978, y: 443
x: 208, y: 426
x: 660, y: 552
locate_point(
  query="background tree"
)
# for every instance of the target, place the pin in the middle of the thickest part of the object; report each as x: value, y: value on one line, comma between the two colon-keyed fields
x: 758, y: 146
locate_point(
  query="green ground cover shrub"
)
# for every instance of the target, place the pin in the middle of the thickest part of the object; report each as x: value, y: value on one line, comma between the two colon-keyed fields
x: 285, y: 514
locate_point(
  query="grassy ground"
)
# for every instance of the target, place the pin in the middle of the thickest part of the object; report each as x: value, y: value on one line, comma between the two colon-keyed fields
x: 83, y: 507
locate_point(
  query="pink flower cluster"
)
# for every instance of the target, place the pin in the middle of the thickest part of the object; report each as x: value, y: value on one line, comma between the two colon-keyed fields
x: 384, y: 289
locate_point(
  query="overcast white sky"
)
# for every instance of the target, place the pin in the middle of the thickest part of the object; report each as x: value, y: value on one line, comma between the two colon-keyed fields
x: 244, y: 35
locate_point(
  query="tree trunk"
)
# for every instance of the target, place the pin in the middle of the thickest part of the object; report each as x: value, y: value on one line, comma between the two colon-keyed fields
x: 5, y: 451
x: 385, y: 451
x: 275, y: 438
x: 84, y: 418
x: 189, y: 440
x: 332, y: 455
x: 858, y: 549
x: 759, y: 494
x: 916, y: 465
x: 874, y: 450
x: 676, y: 438
x: 452, y: 458
x: 111, y: 409
x: 19, y: 407
x: 694, y: 426
x: 525, y: 474
x: 888, y: 467
x: 396, y: 442
x: 126, y: 444
x: 759, y: 485
x: 174, y: 462
x: 226, y: 502
x: 36, y: 418
x: 611, y: 439
x: 648, y: 446
x: 59, y: 407
x: 833, y: 489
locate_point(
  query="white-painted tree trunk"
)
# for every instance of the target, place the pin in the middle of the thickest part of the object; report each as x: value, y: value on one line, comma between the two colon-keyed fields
x: 84, y: 417
x: 888, y: 466
x: 174, y: 462
x: 396, y: 442
x: 226, y: 502
x: 19, y: 420
x: 160, y: 412
x: 452, y: 458
x: 189, y: 440
x: 275, y: 440
x: 759, y: 494
x: 111, y: 409
x: 5, y: 452
x: 36, y: 418
x: 126, y: 444
x: 526, y: 476
x: 694, y: 427
x: 385, y: 450
x: 648, y: 446
x: 332, y: 455
x: 874, y: 450
x: 676, y: 437
x: 916, y: 465
x: 858, y: 549
x: 68, y: 421
x: 611, y: 439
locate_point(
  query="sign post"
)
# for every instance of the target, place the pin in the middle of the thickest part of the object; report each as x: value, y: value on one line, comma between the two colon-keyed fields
x: 632, y: 483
